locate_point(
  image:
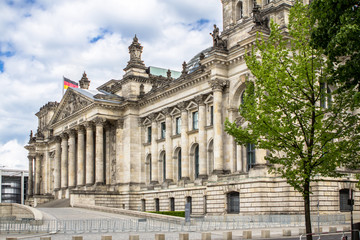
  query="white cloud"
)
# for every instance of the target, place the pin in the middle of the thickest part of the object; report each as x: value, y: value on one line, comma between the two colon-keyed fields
x: 43, y: 41
x: 13, y: 155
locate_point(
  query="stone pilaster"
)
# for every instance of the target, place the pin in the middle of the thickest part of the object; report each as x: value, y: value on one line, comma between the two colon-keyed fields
x: 99, y: 151
x: 168, y: 143
x: 184, y: 142
x: 72, y: 160
x: 37, y: 184
x: 80, y: 156
x: 202, y: 137
x: 89, y: 153
x: 217, y: 86
x: 31, y: 176
x: 57, y: 165
x: 107, y: 128
x: 154, y: 151
x: 64, y: 160
x: 119, y: 152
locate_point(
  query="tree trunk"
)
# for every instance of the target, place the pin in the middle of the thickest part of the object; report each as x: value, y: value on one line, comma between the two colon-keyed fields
x: 307, y: 210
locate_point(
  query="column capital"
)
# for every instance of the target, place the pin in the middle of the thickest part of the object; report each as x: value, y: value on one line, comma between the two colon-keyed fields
x: 99, y: 121
x: 80, y: 128
x: 200, y: 99
x: 72, y: 133
x: 64, y: 136
x: 89, y: 125
x: 218, y: 84
x: 39, y: 155
x: 167, y: 111
x: 57, y: 139
x: 182, y: 105
x: 30, y: 157
x: 140, y: 121
x: 119, y: 123
x: 152, y: 117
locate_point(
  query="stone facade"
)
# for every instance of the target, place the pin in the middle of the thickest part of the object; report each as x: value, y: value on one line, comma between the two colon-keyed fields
x: 148, y: 142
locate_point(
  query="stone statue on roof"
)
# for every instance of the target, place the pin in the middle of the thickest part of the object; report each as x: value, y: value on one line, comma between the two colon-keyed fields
x: 218, y: 42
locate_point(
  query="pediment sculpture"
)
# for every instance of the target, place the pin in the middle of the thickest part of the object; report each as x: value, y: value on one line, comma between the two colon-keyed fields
x: 73, y: 103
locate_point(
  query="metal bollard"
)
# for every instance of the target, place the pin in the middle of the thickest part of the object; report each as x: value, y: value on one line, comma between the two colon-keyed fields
x: 183, y: 236
x: 227, y: 236
x: 160, y: 236
x: 206, y: 236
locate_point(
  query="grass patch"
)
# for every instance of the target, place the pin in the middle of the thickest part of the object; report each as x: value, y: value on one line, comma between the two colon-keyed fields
x: 170, y: 213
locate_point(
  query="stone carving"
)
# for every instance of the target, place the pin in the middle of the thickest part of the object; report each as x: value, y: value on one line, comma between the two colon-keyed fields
x: 239, y: 121
x: 99, y: 121
x: 182, y: 105
x: 167, y: 111
x: 218, y: 42
x: 184, y: 71
x: 218, y: 84
x: 84, y: 82
x: 261, y: 22
x: 200, y: 100
x: 74, y: 103
x: 168, y: 74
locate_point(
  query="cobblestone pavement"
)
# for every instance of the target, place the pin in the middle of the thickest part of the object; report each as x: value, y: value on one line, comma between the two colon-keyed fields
x: 82, y: 214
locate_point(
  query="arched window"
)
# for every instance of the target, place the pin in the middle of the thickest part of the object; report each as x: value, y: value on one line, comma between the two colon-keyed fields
x: 157, y: 205
x: 179, y: 164
x: 233, y: 202
x: 189, y: 201
x: 196, y: 161
x: 163, y: 158
x: 239, y: 10
x: 172, y: 204
x: 250, y: 155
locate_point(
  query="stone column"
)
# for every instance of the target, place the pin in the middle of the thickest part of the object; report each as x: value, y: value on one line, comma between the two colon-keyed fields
x: 119, y: 151
x: 168, y: 144
x: 217, y: 86
x: 107, y: 154
x: 72, y: 160
x: 184, y: 142
x: 57, y: 165
x: 202, y: 137
x: 37, y: 184
x: 80, y: 156
x: 31, y: 177
x: 154, y: 151
x: 64, y: 160
x: 99, y: 151
x: 89, y: 153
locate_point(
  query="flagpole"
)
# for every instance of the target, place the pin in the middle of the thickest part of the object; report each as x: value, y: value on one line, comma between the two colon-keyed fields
x: 62, y: 87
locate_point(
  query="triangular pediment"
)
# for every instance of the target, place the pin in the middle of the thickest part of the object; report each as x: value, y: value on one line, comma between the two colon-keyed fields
x: 175, y: 111
x: 191, y: 105
x: 160, y: 117
x: 146, y: 122
x: 209, y: 99
x: 71, y: 103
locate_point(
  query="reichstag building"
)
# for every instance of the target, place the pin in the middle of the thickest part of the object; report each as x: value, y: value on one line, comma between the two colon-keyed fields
x: 155, y: 140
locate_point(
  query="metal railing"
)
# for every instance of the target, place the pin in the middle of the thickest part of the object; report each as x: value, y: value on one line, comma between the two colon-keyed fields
x: 210, y: 223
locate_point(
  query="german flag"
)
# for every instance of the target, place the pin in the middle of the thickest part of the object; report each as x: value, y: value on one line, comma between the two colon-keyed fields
x: 70, y: 83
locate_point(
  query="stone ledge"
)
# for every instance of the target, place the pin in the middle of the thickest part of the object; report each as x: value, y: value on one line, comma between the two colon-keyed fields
x: 20, y: 211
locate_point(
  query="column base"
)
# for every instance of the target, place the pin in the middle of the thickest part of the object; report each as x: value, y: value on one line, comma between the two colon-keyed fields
x: 203, y: 176
x: 154, y: 182
x: 168, y: 180
x: 100, y: 184
x: 89, y: 184
x: 220, y: 172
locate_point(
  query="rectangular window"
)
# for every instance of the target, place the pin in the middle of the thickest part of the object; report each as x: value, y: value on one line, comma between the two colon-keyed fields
x: 149, y: 134
x: 211, y: 115
x: 163, y: 130
x: 178, y: 125
x: 172, y: 204
x: 195, y: 120
x: 250, y: 149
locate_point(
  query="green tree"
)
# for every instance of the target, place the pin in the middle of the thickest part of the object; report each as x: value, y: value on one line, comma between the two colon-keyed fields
x: 337, y: 31
x: 290, y: 111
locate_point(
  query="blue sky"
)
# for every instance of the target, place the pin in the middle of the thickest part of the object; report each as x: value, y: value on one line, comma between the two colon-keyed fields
x: 43, y: 40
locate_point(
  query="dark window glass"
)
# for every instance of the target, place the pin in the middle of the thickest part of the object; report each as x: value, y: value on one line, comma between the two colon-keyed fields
x: 195, y: 118
x: 211, y: 115
x: 172, y: 204
x: 179, y: 164
x: 344, y: 200
x: 157, y: 205
x: 196, y: 156
x: 189, y: 200
x: 164, y: 166
x: 250, y: 156
x: 163, y: 130
x: 143, y: 205
x: 233, y: 202
x: 178, y: 125
x: 149, y: 134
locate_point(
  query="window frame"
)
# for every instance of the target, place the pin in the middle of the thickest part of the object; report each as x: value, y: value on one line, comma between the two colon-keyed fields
x: 195, y: 120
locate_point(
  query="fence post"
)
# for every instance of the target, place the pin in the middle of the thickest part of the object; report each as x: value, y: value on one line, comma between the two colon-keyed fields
x: 133, y: 237
x: 205, y: 236
x: 183, y: 236
x: 160, y: 236
x: 227, y: 236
